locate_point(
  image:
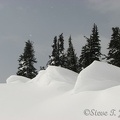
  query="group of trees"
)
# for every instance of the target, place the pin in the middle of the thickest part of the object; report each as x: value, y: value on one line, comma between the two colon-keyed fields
x: 90, y: 52
x: 68, y: 59
x: 59, y: 57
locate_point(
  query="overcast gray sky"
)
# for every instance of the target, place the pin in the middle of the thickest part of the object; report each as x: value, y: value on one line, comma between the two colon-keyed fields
x: 41, y: 20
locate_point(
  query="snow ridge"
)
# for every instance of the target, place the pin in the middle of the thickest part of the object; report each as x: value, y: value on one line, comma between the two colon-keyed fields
x: 98, y: 76
x: 60, y: 94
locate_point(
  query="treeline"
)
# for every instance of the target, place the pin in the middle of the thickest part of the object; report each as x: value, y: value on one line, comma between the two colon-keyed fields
x: 68, y: 59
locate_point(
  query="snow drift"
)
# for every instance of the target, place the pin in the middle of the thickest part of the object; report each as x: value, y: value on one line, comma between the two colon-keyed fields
x: 54, y: 94
x: 98, y: 76
x: 17, y: 79
x: 55, y: 74
x: 55, y: 79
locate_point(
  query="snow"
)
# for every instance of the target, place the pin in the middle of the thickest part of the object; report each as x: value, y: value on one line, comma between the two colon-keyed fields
x: 55, y: 74
x: 98, y: 76
x: 60, y: 94
x: 17, y: 79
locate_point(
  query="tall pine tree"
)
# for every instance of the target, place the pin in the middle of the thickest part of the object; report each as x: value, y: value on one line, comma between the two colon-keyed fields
x: 58, y: 57
x: 26, y: 61
x: 92, y: 50
x: 114, y: 48
x: 61, y: 51
x: 71, y: 58
x: 54, y: 58
x: 84, y: 58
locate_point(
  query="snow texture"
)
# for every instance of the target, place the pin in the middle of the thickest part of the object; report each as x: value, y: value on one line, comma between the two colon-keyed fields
x: 98, y: 76
x: 60, y: 94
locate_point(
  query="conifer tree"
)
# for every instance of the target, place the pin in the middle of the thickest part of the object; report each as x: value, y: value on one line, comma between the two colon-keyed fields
x: 61, y: 51
x: 84, y: 58
x: 92, y: 50
x: 58, y: 57
x: 26, y: 61
x: 94, y: 45
x: 71, y: 57
x: 54, y: 58
x: 114, y: 48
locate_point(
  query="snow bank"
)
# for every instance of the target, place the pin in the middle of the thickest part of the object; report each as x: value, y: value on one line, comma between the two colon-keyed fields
x: 79, y: 106
x: 97, y: 76
x: 17, y: 79
x: 50, y: 96
x: 56, y: 76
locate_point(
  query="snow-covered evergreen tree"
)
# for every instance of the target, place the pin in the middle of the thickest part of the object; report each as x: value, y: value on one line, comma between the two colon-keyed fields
x: 54, y: 58
x: 71, y: 58
x: 26, y: 61
x: 61, y: 51
x: 114, y: 48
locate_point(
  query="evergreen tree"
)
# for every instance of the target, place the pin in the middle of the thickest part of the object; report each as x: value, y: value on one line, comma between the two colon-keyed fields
x: 114, y: 48
x: 61, y: 51
x: 71, y: 62
x: 54, y: 58
x: 94, y: 45
x: 84, y: 58
x: 92, y: 50
x: 26, y: 62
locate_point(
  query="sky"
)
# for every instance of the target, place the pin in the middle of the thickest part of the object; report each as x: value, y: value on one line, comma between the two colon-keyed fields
x: 41, y: 20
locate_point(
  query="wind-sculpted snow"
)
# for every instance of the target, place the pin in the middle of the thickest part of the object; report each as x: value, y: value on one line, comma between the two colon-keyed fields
x: 53, y: 73
x: 98, y: 76
x: 17, y: 79
x: 54, y: 94
x: 57, y: 77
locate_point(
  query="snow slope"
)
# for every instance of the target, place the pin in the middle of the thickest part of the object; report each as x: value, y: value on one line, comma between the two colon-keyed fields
x: 54, y: 94
x: 98, y: 76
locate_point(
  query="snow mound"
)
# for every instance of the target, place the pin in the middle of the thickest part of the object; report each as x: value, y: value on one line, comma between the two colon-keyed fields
x: 99, y: 82
x: 17, y: 79
x: 98, y: 76
x: 56, y: 76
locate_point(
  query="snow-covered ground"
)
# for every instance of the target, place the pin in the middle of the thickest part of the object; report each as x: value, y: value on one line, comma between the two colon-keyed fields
x: 60, y: 94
